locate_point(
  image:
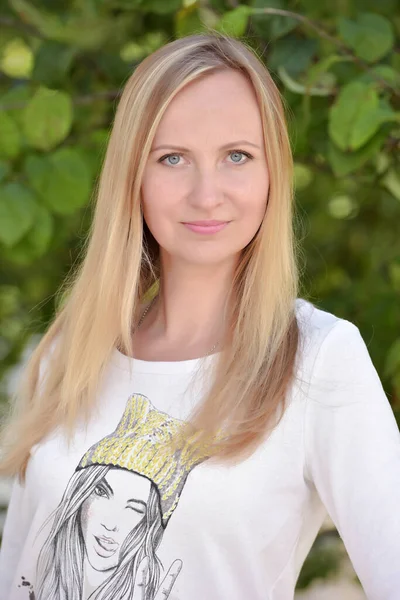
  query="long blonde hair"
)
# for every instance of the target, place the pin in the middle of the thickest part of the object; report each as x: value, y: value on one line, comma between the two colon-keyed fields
x: 103, y: 296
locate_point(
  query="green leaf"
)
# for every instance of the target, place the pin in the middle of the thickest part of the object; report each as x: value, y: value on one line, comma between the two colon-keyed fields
x: 135, y: 51
x: 394, y: 273
x: 40, y: 19
x: 4, y: 169
x: 343, y: 163
x: 357, y: 115
x: 48, y: 118
x: 38, y: 172
x: 293, y: 53
x: 88, y: 30
x: 370, y: 35
x: 392, y: 365
x: 391, y: 182
x: 344, y: 112
x: 17, y: 59
x: 368, y: 122
x: 127, y: 4
x: 132, y: 52
x: 234, y: 22
x: 271, y: 27
x: 10, y: 138
x: 7, y: 35
x: 113, y: 68
x: 17, y: 212
x: 303, y: 176
x: 316, y: 71
x: 14, y: 101
x: 10, y: 299
x: 342, y: 206
x: 62, y: 180
x: 385, y: 72
x: 35, y: 243
x: 52, y: 62
x: 12, y: 329
x: 162, y: 7
x: 382, y: 162
x: 93, y: 150
x: 395, y: 61
x: 365, y: 124
x: 188, y: 21
x: 325, y: 88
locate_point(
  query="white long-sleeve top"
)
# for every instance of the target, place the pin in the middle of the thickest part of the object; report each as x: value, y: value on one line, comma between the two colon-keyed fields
x: 92, y: 518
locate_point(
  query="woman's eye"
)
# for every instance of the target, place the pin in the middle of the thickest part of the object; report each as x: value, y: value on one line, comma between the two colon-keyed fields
x: 237, y: 156
x: 138, y: 509
x: 100, y: 491
x: 173, y: 158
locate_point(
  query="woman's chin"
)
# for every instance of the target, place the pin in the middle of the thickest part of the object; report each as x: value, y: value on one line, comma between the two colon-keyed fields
x: 101, y: 563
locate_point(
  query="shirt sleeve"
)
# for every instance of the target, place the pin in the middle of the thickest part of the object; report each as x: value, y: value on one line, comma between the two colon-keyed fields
x: 14, y: 535
x: 352, y: 448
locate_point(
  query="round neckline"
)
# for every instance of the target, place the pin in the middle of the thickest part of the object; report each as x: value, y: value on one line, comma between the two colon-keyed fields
x: 137, y: 365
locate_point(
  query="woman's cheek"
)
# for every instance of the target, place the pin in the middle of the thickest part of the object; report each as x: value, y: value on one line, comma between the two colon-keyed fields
x: 85, y: 515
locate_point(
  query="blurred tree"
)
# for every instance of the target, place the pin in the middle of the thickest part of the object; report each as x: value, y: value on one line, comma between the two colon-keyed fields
x: 63, y: 64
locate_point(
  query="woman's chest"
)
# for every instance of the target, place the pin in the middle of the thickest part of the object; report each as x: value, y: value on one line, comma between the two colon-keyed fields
x: 118, y: 492
x: 126, y: 448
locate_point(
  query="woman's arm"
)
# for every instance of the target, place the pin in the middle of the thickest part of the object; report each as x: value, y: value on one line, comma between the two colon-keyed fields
x: 353, y: 458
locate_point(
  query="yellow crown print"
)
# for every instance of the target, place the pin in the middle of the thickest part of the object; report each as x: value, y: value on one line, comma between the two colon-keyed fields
x: 142, y: 443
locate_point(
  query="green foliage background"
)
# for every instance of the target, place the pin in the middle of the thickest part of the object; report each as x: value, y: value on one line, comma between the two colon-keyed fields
x: 63, y: 64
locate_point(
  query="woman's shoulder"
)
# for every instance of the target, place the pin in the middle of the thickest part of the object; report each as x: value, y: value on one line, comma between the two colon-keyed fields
x: 317, y: 323
x: 325, y: 335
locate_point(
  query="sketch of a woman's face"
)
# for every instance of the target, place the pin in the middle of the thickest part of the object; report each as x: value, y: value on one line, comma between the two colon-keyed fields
x: 110, y: 513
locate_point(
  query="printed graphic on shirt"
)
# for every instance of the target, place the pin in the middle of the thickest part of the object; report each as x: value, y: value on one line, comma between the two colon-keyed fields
x: 110, y: 522
x: 27, y: 584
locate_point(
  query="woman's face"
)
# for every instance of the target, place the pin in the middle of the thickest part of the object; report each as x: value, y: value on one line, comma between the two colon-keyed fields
x: 207, y: 163
x: 114, y: 508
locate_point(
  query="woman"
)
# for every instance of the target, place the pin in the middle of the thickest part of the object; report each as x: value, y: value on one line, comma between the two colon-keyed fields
x: 113, y: 514
x: 192, y: 252
x: 82, y: 544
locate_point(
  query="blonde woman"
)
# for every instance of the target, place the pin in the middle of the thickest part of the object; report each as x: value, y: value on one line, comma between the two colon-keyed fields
x: 259, y: 412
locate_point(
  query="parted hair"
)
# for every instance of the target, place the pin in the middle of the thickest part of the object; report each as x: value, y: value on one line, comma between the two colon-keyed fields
x: 103, y: 297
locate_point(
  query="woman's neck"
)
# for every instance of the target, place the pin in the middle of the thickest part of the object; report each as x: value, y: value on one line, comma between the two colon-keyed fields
x: 186, y: 319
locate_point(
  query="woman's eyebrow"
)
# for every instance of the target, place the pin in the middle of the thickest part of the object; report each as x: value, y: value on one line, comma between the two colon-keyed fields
x: 137, y: 501
x: 225, y: 146
x: 107, y: 486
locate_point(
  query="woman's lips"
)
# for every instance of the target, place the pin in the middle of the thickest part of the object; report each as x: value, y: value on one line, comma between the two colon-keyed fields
x: 107, y: 545
x: 207, y: 227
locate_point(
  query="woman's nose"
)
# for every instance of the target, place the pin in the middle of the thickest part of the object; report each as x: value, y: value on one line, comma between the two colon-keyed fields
x: 109, y: 526
x: 206, y: 191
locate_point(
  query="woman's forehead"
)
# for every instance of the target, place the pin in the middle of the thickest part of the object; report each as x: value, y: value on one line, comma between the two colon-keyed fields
x: 220, y: 107
x: 129, y: 483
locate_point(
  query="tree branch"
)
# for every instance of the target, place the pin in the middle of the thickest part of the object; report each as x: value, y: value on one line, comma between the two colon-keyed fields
x: 28, y: 29
x: 324, y: 34
x: 89, y: 98
x: 8, y: 22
